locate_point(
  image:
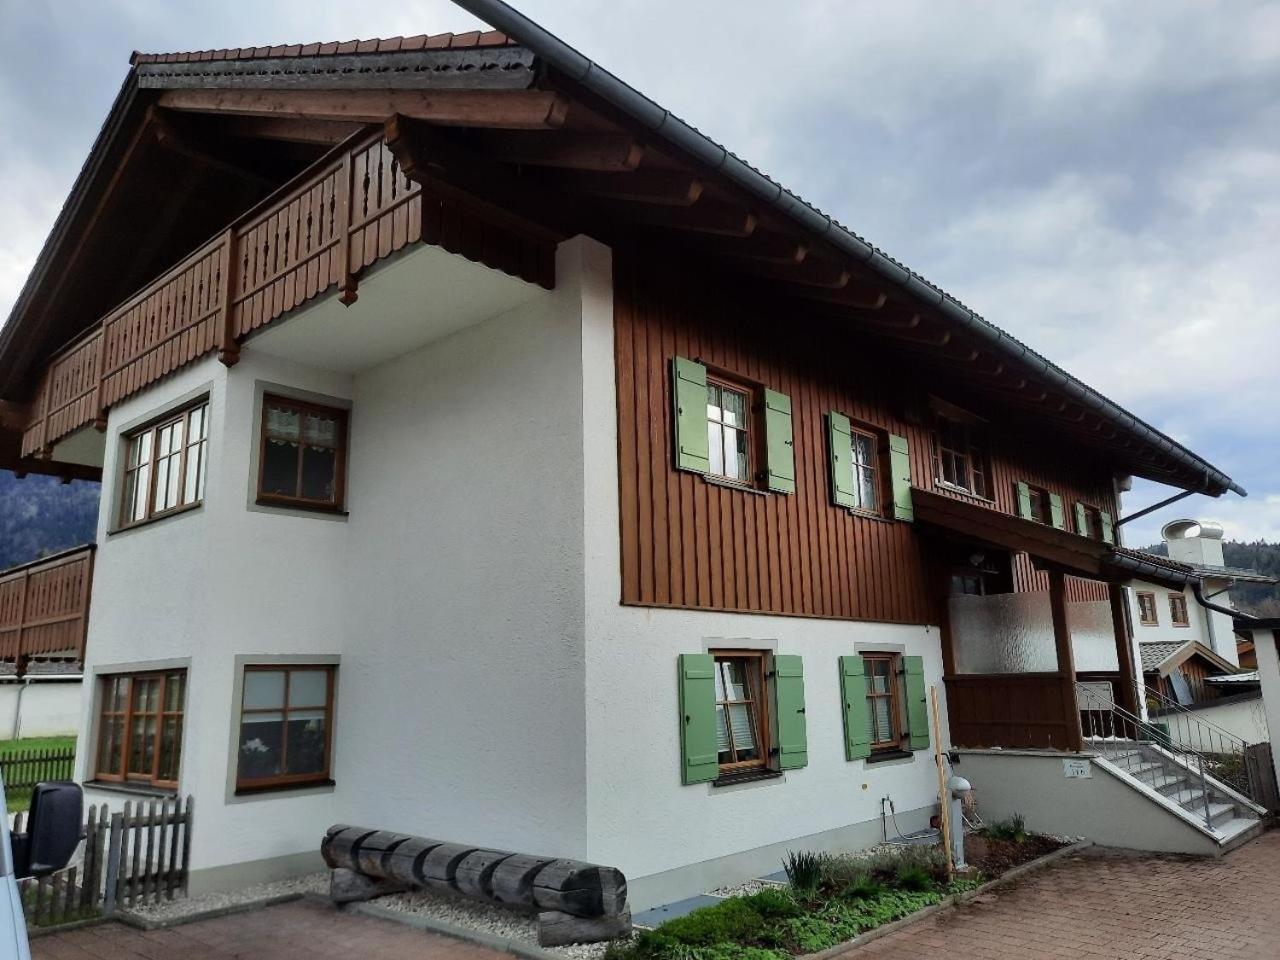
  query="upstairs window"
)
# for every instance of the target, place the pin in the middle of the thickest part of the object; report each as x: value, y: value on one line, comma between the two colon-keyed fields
x: 165, y: 466
x: 728, y: 431
x: 140, y: 727
x: 1147, y: 615
x: 1039, y: 502
x: 303, y: 455
x: 1094, y: 523
x: 1178, y: 610
x: 866, y: 474
x: 960, y: 456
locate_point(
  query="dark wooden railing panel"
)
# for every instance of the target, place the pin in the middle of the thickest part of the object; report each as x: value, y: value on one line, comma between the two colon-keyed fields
x: 339, y: 218
x: 1008, y: 710
x: 44, y: 606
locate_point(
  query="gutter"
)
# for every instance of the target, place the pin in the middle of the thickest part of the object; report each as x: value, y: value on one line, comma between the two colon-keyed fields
x: 675, y: 131
x: 1144, y: 570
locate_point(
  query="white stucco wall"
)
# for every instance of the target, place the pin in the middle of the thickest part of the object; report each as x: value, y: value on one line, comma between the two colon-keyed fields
x: 1244, y: 718
x: 45, y: 708
x: 1221, y: 639
x: 674, y: 840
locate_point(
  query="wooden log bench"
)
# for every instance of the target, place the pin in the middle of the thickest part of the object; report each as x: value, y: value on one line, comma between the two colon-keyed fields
x: 576, y: 902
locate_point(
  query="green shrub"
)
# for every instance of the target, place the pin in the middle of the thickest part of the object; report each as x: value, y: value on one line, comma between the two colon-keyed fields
x: 864, y: 887
x: 806, y: 871
x: 1014, y: 829
x: 913, y: 877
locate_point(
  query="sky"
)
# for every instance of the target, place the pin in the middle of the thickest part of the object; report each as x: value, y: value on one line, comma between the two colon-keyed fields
x: 1101, y: 179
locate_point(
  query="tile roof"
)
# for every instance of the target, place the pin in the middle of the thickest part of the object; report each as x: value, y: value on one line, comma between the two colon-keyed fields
x: 1155, y: 653
x: 437, y: 41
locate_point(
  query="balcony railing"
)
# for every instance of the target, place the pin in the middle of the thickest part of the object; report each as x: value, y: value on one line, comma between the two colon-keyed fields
x: 320, y: 231
x: 44, y: 607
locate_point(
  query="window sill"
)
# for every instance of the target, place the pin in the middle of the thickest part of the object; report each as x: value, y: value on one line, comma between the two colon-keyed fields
x: 867, y: 515
x: 301, y: 507
x: 276, y: 788
x: 734, y: 485
x: 750, y: 776
x: 885, y: 756
x: 158, y: 518
x: 133, y: 789
x: 963, y: 491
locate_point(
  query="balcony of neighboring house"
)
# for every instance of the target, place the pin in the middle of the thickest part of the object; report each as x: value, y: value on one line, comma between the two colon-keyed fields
x: 44, y: 610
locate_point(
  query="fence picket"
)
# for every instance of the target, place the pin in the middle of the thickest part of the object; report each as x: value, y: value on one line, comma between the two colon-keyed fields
x: 174, y: 868
x: 23, y: 769
x: 186, y: 844
x: 69, y: 896
x: 162, y: 879
x: 90, y: 854
x: 112, y: 881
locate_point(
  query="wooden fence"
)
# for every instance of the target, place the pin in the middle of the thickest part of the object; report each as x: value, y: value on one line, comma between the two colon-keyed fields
x: 25, y: 768
x: 130, y: 858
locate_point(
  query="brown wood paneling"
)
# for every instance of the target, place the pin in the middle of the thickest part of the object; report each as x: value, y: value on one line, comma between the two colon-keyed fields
x: 44, y: 606
x: 1009, y: 710
x: 694, y: 544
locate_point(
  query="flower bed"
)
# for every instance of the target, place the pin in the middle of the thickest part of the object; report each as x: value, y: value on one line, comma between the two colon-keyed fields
x: 831, y: 899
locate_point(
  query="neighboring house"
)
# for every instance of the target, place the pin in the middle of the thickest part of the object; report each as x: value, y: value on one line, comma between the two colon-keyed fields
x: 487, y: 455
x: 43, y: 622
x: 1181, y: 672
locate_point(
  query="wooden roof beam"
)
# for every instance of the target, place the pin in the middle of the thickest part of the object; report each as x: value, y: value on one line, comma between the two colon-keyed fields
x: 705, y: 216
x: 600, y: 152
x: 321, y: 132
x: 496, y: 109
x: 809, y: 272
x: 669, y: 188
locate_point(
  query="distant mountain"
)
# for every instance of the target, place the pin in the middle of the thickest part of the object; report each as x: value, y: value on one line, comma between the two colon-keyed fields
x: 40, y: 516
x: 1260, y: 599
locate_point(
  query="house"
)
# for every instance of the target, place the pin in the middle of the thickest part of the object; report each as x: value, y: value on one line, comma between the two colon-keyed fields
x: 488, y: 455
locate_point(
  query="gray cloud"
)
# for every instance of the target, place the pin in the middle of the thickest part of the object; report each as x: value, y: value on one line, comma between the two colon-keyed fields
x: 1103, y: 180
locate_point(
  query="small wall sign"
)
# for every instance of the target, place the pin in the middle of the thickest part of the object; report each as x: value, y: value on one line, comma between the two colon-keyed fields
x: 1077, y: 770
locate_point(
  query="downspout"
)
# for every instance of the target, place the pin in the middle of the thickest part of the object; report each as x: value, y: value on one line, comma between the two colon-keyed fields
x: 17, y: 710
x: 809, y: 219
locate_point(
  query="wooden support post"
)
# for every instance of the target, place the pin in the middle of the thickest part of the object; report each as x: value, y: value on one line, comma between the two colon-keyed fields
x: 1066, y: 659
x: 347, y: 282
x: 1129, y: 692
x: 229, y: 347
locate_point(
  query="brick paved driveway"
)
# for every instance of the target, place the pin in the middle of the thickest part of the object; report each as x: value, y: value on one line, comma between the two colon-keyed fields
x: 1107, y: 906
x: 302, y: 930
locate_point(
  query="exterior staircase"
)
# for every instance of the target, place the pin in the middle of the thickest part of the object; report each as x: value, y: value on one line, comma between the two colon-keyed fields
x: 1181, y: 781
x: 1182, y: 768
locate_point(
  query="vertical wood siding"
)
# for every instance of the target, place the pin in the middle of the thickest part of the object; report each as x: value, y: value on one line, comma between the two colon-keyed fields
x: 693, y: 544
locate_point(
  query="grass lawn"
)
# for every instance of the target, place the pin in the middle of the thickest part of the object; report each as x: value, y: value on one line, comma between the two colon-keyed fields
x: 21, y: 799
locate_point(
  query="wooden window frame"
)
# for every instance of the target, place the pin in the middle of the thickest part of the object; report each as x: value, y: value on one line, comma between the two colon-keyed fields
x: 752, y: 427
x: 125, y: 775
x: 1039, y: 495
x: 303, y: 407
x: 977, y: 478
x: 285, y: 780
x: 1093, y: 521
x: 124, y: 518
x: 1155, y: 615
x: 880, y: 479
x: 893, y: 695
x: 1178, y: 601
x: 764, y: 730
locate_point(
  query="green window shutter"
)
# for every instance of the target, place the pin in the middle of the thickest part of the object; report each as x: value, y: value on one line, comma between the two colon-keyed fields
x: 1108, y: 530
x: 839, y: 436
x: 900, y: 470
x: 1082, y: 520
x: 857, y: 716
x: 778, y: 442
x: 1056, y: 515
x: 789, y: 724
x: 689, y: 394
x: 1024, y: 500
x: 917, y: 704
x: 699, y: 759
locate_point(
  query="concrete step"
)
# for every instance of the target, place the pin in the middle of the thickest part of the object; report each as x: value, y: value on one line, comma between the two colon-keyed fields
x: 1236, y: 832
x: 1190, y: 799
x: 1219, y: 813
x: 1167, y: 782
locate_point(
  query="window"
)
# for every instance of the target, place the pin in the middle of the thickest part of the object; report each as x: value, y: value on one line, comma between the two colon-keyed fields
x: 165, y: 466
x: 303, y: 454
x: 728, y: 439
x: 1040, y: 510
x: 883, y: 707
x: 960, y: 456
x: 140, y: 727
x: 286, y: 726
x: 1178, y: 610
x: 1147, y: 610
x: 742, y: 728
x: 1092, y: 522
x: 866, y: 480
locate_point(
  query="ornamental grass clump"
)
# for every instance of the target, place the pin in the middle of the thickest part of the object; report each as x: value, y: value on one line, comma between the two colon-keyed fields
x: 1013, y: 830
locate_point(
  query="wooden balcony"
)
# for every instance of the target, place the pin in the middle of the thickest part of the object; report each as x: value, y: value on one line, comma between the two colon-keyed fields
x: 347, y: 212
x: 44, y: 608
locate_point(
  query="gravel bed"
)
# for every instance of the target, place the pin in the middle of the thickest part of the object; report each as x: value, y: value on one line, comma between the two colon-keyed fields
x: 172, y: 909
x: 745, y: 889
x: 472, y: 915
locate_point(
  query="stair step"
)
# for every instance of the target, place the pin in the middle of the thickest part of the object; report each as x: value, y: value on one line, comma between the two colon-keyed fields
x: 1190, y: 799
x: 1162, y: 782
x: 1139, y: 769
x: 1220, y: 813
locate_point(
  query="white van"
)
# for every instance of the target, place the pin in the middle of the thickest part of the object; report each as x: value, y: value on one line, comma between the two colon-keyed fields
x: 53, y: 833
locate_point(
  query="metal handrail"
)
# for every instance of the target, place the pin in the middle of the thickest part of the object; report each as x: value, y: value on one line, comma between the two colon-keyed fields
x: 1173, y: 708
x: 1119, y: 736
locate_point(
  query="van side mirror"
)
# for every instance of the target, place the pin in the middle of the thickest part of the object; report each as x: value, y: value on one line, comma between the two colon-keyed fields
x: 53, y: 830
